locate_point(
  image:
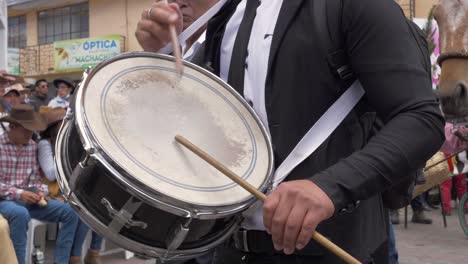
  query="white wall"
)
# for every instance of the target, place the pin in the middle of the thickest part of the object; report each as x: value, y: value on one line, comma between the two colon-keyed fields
x: 3, y: 34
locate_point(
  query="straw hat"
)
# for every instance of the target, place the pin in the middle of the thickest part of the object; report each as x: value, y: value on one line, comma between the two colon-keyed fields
x: 25, y: 116
x: 52, y: 115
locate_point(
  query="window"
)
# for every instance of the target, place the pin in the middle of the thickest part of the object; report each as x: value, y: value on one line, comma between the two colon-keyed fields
x: 70, y: 22
x: 17, y: 32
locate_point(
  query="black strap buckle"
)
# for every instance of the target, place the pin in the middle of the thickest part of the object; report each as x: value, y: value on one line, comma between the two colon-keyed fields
x: 240, y: 240
x: 345, y: 72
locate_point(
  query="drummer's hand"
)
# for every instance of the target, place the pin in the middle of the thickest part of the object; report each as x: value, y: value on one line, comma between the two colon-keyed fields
x: 292, y: 212
x: 153, y: 33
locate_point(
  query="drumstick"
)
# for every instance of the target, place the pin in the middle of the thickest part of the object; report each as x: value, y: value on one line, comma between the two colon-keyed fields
x: 177, y: 51
x: 261, y: 196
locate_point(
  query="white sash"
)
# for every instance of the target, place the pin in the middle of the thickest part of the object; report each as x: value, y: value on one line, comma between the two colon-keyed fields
x: 320, y: 131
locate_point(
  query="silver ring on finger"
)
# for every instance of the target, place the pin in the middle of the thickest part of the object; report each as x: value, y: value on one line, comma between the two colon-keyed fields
x: 148, y: 14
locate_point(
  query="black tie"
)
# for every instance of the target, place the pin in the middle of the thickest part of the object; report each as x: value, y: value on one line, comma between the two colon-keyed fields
x: 239, y: 51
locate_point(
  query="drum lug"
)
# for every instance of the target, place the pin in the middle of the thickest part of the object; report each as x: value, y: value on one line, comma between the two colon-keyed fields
x: 90, y: 151
x: 86, y: 72
x: 124, y: 216
x: 177, y: 235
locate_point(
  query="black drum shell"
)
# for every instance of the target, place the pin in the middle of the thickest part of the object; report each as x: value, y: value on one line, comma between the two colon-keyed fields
x: 97, y: 183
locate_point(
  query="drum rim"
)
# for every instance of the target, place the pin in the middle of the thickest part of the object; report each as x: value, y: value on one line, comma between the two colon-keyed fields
x: 157, y: 198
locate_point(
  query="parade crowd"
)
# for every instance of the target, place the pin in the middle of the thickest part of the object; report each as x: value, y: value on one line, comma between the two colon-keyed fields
x: 28, y: 181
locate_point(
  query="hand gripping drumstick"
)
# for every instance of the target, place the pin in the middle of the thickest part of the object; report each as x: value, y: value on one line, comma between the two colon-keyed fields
x: 259, y: 195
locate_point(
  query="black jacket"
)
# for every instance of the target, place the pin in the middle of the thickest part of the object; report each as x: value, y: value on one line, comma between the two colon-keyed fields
x: 37, y: 101
x: 300, y: 88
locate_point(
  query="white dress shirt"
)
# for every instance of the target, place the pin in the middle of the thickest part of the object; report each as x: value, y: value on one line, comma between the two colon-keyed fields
x: 255, y: 72
x: 188, y: 55
x: 59, y: 102
x: 259, y: 50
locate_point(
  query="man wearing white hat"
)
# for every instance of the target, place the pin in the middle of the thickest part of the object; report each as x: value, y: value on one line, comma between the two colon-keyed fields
x: 5, y: 81
x: 12, y: 96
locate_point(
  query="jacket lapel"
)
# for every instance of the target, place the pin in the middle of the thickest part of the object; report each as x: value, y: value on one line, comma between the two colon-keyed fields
x: 287, y: 13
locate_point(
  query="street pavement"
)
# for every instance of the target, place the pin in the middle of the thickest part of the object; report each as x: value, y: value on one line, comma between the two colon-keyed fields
x: 432, y: 244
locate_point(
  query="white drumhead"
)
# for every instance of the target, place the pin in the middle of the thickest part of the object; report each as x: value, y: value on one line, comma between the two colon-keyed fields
x: 135, y: 106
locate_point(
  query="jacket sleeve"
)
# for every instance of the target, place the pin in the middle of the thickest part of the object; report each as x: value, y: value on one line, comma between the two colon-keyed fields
x: 35, y: 177
x: 386, y: 58
x: 46, y: 160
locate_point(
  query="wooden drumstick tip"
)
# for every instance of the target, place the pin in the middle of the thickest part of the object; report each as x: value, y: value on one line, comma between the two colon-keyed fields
x: 177, y: 51
x: 261, y: 196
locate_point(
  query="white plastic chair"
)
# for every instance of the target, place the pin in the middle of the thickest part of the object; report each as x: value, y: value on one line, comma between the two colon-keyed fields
x: 107, y: 248
x: 129, y: 255
x: 33, y: 224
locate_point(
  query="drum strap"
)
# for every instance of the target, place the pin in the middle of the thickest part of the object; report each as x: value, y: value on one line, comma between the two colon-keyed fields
x: 320, y: 131
x: 195, y: 26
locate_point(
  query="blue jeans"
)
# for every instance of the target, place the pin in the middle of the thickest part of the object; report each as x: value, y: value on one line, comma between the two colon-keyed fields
x: 18, y: 215
x: 80, y: 236
x: 393, y: 253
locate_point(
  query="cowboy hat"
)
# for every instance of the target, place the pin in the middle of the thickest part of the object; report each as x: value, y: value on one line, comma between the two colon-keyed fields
x: 24, y: 115
x: 52, y: 115
x: 59, y: 81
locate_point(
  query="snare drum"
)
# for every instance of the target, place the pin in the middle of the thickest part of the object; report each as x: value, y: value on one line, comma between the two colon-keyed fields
x: 121, y: 169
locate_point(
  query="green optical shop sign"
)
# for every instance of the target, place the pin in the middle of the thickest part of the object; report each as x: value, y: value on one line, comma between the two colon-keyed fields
x: 79, y: 54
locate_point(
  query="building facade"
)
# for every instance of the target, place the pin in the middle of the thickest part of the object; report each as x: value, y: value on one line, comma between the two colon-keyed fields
x: 38, y: 28
x: 423, y: 7
x: 3, y: 34
x: 60, y: 38
x: 417, y: 8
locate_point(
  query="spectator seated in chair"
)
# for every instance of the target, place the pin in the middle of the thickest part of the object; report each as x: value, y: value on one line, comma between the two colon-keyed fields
x: 21, y: 190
